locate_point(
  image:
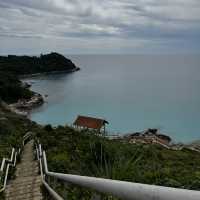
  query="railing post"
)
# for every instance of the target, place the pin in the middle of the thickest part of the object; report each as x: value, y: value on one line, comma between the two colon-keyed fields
x: 40, y: 151
x: 42, y: 162
x: 2, y: 164
x: 12, y: 155
x: 45, y: 162
x: 37, y: 153
x: 15, y: 160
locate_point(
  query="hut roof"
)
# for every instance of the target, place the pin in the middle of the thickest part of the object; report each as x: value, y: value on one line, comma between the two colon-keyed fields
x: 90, y: 122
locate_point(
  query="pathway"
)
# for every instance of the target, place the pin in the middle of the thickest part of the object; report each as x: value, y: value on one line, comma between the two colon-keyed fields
x: 26, y: 185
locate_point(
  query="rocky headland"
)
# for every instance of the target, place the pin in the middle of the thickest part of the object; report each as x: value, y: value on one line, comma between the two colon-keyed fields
x: 29, y: 65
x: 16, y: 93
x: 24, y: 106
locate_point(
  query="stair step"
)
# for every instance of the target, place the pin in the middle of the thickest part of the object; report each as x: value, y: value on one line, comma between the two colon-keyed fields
x: 22, y: 191
x: 26, y: 185
x: 24, y: 198
x: 25, y: 172
x: 28, y: 196
x: 26, y: 179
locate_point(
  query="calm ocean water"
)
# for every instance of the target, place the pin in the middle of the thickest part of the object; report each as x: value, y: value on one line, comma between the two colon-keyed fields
x: 132, y: 92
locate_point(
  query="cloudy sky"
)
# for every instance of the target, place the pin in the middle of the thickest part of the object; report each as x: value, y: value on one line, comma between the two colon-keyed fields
x: 100, y: 26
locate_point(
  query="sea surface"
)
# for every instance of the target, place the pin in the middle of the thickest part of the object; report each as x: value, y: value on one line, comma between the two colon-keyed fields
x: 132, y: 92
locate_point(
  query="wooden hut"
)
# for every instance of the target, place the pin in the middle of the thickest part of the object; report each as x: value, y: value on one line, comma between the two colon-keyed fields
x: 84, y: 122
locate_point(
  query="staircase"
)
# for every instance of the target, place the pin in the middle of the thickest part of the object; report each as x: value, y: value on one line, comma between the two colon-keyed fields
x: 26, y: 185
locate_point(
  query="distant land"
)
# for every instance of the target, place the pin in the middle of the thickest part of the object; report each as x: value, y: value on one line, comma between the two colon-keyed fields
x: 12, y: 67
x: 23, y: 65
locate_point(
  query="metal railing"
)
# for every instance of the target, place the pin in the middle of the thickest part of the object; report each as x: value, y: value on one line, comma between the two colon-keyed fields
x: 27, y: 136
x: 121, y: 189
x: 43, y: 175
x: 7, y: 163
x: 3, y: 164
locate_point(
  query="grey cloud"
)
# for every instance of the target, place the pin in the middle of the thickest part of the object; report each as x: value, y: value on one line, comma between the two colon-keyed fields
x: 9, y: 35
x: 141, y: 20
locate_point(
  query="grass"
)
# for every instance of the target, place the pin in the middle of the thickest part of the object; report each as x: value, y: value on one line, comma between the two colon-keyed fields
x: 84, y: 153
x: 12, y: 129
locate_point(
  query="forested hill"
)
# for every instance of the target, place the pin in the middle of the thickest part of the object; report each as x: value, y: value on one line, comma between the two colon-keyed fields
x: 11, y: 88
x: 22, y: 65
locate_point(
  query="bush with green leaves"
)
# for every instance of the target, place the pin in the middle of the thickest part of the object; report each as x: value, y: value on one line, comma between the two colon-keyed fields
x: 84, y: 153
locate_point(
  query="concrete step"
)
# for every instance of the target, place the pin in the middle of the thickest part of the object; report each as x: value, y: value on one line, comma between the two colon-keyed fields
x: 21, y: 171
x: 29, y: 179
x: 27, y: 164
x: 20, y: 191
x: 23, y: 186
x: 27, y: 196
x: 26, y: 185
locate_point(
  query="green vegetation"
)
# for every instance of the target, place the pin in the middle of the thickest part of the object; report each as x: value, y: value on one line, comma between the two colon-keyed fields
x: 11, y: 88
x: 84, y: 153
x: 12, y: 128
x: 22, y: 65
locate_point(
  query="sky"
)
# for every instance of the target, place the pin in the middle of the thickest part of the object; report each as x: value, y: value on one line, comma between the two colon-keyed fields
x: 100, y: 26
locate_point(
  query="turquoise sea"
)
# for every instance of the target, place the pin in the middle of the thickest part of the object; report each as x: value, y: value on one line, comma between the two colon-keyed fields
x: 132, y: 92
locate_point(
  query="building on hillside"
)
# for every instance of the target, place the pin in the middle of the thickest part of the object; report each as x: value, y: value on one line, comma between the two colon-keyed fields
x: 84, y: 122
x: 148, y: 137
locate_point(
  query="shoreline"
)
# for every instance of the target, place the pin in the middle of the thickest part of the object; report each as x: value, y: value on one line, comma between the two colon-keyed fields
x: 24, y: 106
x: 48, y: 73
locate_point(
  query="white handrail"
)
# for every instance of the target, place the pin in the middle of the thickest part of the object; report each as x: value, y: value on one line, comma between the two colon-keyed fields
x: 122, y: 189
x: 11, y: 162
x: 49, y: 189
x: 2, y: 164
x: 26, y: 136
x: 7, y: 160
x: 125, y: 190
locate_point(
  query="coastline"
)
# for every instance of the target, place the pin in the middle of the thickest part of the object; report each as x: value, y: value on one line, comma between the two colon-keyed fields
x: 24, y: 106
x: 48, y: 73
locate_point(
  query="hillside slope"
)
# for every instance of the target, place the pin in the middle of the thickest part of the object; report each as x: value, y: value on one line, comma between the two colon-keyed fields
x: 11, y: 67
x: 22, y: 65
x: 70, y: 151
